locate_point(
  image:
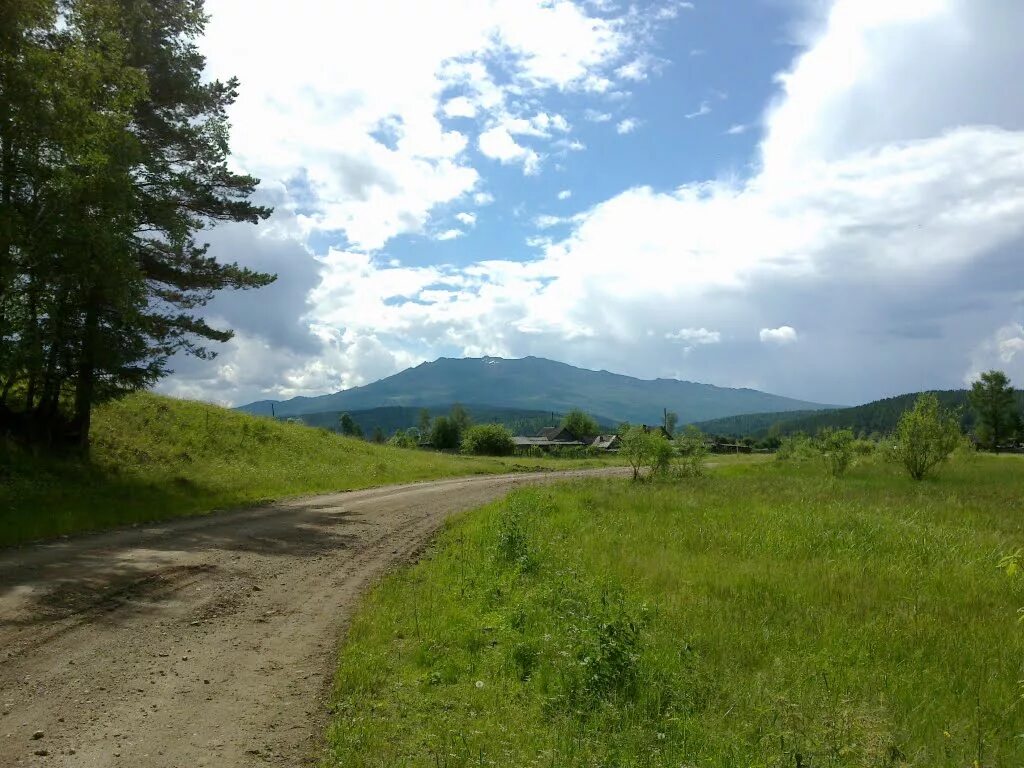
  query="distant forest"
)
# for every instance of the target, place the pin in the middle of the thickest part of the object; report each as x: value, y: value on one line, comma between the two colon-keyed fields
x: 878, y: 417
x: 390, y: 419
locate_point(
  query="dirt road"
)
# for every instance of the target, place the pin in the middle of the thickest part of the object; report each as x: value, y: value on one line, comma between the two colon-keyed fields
x: 208, y: 641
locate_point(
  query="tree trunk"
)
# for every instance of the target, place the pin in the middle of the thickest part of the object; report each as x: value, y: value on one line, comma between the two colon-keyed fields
x: 86, y: 384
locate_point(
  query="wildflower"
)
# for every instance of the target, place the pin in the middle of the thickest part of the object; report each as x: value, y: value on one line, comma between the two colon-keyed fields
x: 479, y: 683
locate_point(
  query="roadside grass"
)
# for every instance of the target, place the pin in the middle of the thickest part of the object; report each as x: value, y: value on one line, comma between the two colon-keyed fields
x: 763, y: 616
x: 155, y: 458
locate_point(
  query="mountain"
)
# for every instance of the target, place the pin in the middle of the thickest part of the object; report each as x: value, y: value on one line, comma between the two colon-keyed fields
x: 879, y: 416
x: 391, y: 418
x: 534, y: 383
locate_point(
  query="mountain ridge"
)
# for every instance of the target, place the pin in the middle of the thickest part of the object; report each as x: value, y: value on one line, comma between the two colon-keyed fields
x: 536, y: 383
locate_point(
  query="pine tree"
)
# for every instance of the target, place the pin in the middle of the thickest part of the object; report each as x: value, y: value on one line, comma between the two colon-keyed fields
x: 113, y: 156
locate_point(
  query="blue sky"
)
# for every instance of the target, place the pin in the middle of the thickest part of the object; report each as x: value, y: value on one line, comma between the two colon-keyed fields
x: 819, y: 198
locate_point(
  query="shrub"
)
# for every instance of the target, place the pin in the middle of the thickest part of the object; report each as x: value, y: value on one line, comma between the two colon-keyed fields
x: 925, y: 437
x: 404, y: 439
x: 795, y: 448
x: 488, y: 440
x: 444, y: 434
x: 660, y: 459
x: 639, y: 448
x: 836, y: 446
x: 693, y: 451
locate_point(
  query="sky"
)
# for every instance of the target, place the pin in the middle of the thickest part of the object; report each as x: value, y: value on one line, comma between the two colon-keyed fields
x: 818, y: 199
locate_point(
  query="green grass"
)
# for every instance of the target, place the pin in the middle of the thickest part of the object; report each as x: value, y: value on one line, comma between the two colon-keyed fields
x: 764, y: 616
x: 155, y: 458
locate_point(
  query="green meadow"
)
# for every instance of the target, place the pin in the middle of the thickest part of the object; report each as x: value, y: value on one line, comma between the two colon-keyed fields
x: 155, y: 458
x: 766, y: 615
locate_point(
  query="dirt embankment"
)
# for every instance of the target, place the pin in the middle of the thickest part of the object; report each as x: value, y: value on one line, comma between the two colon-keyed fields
x: 208, y: 641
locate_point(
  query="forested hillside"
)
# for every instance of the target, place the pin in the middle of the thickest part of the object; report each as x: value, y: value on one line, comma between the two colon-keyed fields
x: 534, y: 383
x: 880, y: 416
x: 392, y: 418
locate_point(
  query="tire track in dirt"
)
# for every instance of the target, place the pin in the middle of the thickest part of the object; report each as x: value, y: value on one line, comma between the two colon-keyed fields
x: 203, y: 642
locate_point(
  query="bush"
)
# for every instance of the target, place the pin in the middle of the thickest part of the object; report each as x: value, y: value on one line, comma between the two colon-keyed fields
x: 836, y: 446
x: 925, y: 437
x: 488, y: 440
x: 662, y: 453
x: 693, y: 451
x: 444, y: 434
x: 404, y: 439
x: 795, y: 448
x: 641, y: 449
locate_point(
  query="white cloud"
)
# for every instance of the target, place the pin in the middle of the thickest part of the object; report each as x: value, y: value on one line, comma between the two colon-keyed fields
x: 736, y: 129
x: 353, y: 102
x: 483, y: 198
x: 1003, y: 350
x: 594, y: 116
x: 693, y: 336
x: 460, y: 106
x: 497, y: 143
x: 703, y: 109
x: 628, y: 125
x: 450, y: 234
x: 784, y: 334
x: 546, y: 221
x: 634, y: 70
x: 469, y: 219
x: 565, y: 194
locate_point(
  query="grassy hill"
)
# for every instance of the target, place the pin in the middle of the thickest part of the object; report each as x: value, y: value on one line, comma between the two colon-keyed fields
x: 880, y: 416
x: 154, y: 458
x: 394, y: 417
x: 534, y: 383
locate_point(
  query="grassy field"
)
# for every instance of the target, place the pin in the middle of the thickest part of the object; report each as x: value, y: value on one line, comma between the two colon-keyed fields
x: 764, y: 616
x: 155, y: 458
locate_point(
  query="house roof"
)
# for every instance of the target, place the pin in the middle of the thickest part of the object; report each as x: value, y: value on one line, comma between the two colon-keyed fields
x: 557, y: 434
x: 525, y: 442
x: 605, y: 441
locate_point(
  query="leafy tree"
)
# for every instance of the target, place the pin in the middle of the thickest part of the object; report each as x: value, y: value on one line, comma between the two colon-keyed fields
x: 378, y: 435
x: 404, y: 439
x: 836, y: 446
x: 661, y: 454
x: 623, y: 428
x: 580, y: 423
x: 444, y: 434
x: 349, y: 427
x: 693, y: 451
x: 423, y: 422
x: 488, y: 440
x: 671, y: 421
x: 460, y: 417
x: 925, y: 437
x: 994, y: 403
x: 641, y: 449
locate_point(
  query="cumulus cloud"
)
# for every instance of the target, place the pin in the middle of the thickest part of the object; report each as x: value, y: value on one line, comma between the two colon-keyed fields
x: 784, y: 334
x: 497, y: 143
x: 736, y: 129
x: 469, y: 219
x: 565, y: 194
x: 450, y: 234
x: 896, y: 239
x: 358, y: 102
x: 692, y: 337
x: 1003, y: 350
x: 628, y: 125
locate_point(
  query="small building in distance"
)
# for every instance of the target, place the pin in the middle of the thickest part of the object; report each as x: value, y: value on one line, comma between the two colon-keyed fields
x: 550, y: 438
